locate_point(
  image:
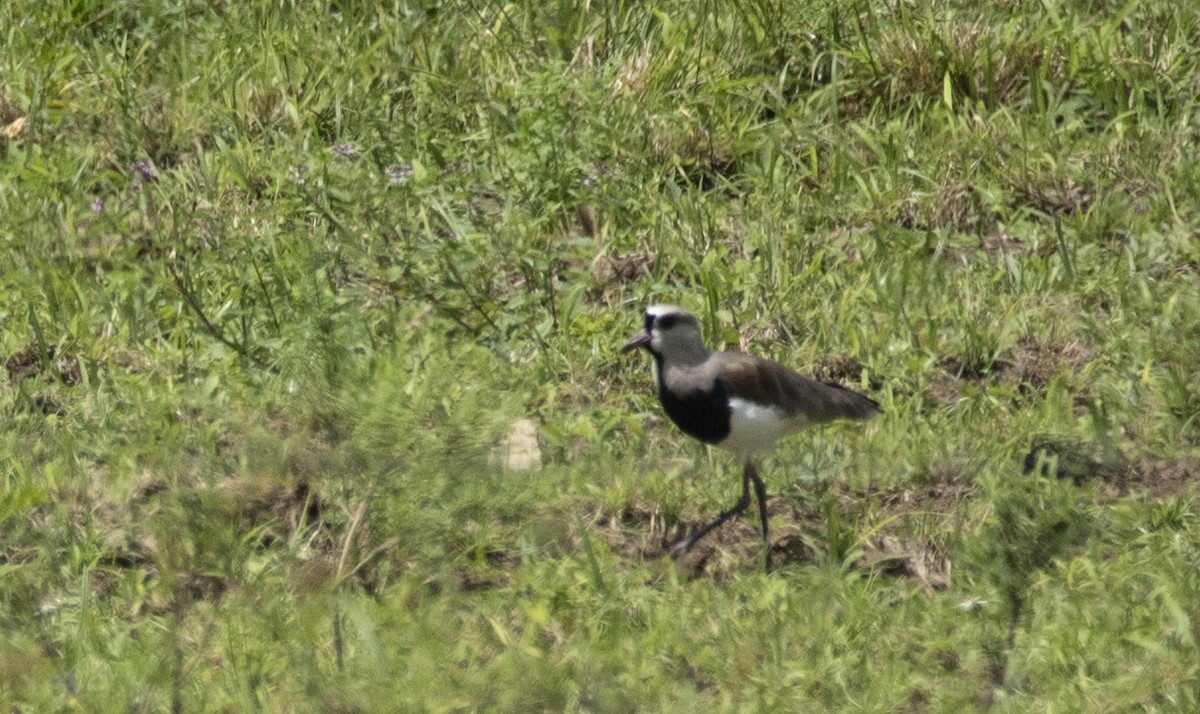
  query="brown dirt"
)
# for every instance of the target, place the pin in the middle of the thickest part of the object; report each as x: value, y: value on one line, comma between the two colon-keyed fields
x: 893, y: 545
x: 837, y: 368
x: 908, y: 558
x: 621, y: 269
x: 797, y: 535
x: 1162, y: 478
x: 1056, y: 196
x: 9, y: 110
x: 940, y: 497
x: 1036, y: 362
x: 1002, y: 244
x: 1084, y: 462
x: 27, y: 362
x: 281, y: 509
x: 943, y: 389
x: 957, y: 205
x: 1029, y: 367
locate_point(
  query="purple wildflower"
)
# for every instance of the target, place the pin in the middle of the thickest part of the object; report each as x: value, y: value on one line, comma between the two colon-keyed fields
x: 97, y: 204
x: 346, y: 150
x: 146, y: 168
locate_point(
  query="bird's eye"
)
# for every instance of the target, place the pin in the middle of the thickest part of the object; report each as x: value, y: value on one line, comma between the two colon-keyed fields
x: 666, y: 322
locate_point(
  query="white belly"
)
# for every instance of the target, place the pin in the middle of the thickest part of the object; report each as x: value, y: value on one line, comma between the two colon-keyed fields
x: 754, y: 428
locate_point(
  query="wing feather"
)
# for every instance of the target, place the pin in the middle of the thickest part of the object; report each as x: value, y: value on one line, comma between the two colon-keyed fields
x: 767, y: 382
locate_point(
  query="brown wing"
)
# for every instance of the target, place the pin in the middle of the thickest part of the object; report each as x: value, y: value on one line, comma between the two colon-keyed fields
x: 767, y: 382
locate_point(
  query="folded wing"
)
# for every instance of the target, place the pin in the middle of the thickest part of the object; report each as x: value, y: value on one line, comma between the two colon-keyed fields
x: 798, y: 396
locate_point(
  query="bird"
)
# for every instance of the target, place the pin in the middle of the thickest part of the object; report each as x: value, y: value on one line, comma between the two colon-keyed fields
x: 735, y: 401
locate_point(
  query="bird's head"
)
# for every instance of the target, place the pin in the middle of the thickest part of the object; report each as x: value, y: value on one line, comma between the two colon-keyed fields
x: 671, y: 333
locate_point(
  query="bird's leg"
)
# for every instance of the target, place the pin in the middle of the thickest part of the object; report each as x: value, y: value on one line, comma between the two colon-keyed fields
x: 682, y: 547
x: 760, y: 491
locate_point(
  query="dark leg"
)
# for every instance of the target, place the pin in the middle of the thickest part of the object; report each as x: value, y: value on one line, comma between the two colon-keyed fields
x: 682, y: 547
x: 760, y: 491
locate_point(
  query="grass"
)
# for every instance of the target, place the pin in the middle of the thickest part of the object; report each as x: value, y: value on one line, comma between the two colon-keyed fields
x: 279, y: 279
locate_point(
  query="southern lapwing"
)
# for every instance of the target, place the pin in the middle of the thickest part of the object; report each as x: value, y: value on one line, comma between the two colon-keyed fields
x: 735, y: 401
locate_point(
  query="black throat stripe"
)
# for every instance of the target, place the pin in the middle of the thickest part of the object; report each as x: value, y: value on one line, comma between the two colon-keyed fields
x: 701, y: 414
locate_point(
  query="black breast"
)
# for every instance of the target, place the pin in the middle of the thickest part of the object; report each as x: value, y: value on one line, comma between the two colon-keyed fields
x: 701, y: 414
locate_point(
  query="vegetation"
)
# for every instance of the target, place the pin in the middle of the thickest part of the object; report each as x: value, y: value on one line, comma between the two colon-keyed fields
x: 281, y: 280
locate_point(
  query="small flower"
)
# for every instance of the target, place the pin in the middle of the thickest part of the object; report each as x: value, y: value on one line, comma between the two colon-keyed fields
x: 298, y: 173
x: 399, y: 173
x: 972, y: 603
x: 146, y: 168
x: 602, y: 171
x: 346, y: 150
x: 97, y: 204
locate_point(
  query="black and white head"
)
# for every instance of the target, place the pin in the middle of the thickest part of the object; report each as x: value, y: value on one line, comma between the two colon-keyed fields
x: 670, y: 333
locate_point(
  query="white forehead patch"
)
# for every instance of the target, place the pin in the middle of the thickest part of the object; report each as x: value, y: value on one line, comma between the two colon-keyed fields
x: 660, y: 310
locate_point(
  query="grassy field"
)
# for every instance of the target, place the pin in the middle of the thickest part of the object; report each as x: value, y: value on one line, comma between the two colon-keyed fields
x: 280, y: 282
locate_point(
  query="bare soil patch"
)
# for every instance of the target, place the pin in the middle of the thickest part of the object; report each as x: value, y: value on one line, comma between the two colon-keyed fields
x: 28, y: 362
x: 885, y: 527
x: 799, y: 535
x: 1164, y: 478
x: 1029, y: 368
x: 1033, y: 363
x: 1083, y: 462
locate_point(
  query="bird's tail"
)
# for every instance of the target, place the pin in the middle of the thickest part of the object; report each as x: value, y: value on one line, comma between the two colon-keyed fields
x: 845, y: 403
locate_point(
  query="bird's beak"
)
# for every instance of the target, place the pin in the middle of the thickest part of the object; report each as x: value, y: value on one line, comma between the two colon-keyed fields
x: 641, y: 339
